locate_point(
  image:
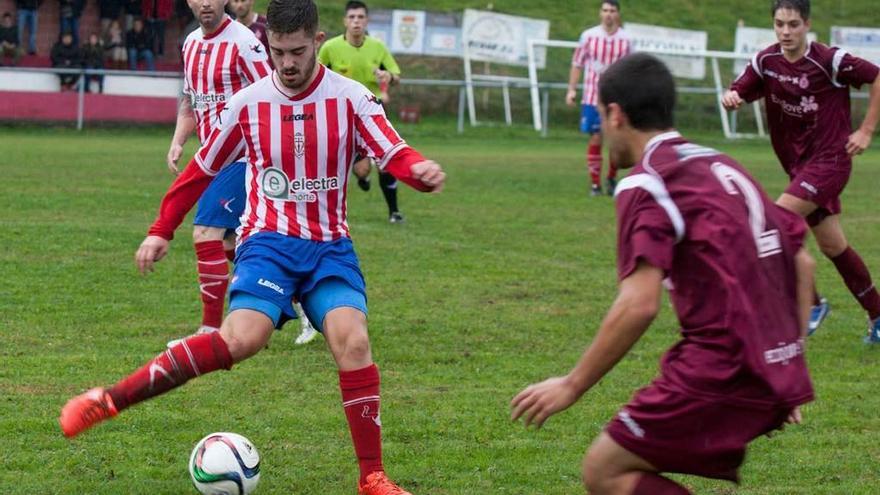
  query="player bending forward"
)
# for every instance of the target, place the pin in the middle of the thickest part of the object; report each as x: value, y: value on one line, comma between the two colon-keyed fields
x: 740, y: 282
x: 300, y: 130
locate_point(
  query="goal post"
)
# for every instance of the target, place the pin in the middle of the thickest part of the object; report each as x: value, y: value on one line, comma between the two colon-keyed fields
x: 718, y: 88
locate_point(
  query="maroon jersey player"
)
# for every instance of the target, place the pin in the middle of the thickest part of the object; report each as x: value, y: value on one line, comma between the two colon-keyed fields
x: 739, y: 280
x: 806, y: 90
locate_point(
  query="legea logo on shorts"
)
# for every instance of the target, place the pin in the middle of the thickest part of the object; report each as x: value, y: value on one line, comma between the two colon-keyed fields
x: 276, y: 185
x: 271, y: 285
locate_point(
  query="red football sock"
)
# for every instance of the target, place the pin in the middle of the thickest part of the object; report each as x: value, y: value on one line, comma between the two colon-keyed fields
x: 858, y: 280
x: 612, y: 170
x: 654, y: 484
x: 594, y: 162
x: 360, y: 399
x: 188, y: 359
x: 230, y: 254
x: 213, y: 280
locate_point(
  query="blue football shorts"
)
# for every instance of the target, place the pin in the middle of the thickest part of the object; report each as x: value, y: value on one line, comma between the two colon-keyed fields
x: 222, y: 203
x: 590, y: 121
x: 272, y: 269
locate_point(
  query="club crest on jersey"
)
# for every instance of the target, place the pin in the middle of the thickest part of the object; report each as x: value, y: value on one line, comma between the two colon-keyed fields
x: 299, y: 144
x: 276, y: 185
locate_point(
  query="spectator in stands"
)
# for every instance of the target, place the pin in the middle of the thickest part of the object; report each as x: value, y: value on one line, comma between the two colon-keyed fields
x: 108, y: 11
x: 132, y: 10
x: 66, y: 55
x: 93, y: 58
x: 69, y: 13
x: 9, y: 47
x: 114, y: 46
x: 27, y: 17
x: 157, y: 13
x: 139, y: 43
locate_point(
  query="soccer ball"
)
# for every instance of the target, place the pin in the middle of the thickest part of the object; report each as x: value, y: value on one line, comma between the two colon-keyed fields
x: 225, y: 464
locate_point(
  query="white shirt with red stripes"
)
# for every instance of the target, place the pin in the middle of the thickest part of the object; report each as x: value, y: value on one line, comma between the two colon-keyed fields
x: 595, y: 52
x: 300, y: 150
x: 218, y: 65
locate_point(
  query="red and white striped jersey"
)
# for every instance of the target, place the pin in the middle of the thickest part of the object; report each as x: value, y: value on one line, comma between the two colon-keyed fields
x: 595, y: 52
x: 299, y: 151
x: 217, y: 66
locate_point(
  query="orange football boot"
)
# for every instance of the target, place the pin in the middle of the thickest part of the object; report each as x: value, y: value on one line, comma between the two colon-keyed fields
x: 379, y: 484
x: 85, y: 410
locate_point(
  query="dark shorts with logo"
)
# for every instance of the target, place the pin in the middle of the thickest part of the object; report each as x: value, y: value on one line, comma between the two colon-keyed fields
x: 222, y: 203
x: 679, y: 433
x: 821, y: 183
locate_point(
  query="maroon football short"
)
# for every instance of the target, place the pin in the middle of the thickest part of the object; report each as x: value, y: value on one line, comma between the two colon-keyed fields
x: 821, y: 184
x: 678, y: 433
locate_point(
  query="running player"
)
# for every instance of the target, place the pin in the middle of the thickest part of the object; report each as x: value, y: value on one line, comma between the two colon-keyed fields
x: 598, y: 47
x: 367, y: 60
x: 805, y: 87
x: 300, y: 130
x: 693, y: 220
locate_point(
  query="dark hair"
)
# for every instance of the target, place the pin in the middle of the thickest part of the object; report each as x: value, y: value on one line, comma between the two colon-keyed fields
x: 290, y: 16
x: 613, y: 3
x: 643, y: 87
x: 355, y: 4
x: 800, y: 6
x: 7, y: 14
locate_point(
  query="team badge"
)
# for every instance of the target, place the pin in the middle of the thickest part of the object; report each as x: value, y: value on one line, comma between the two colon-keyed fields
x: 299, y: 144
x: 408, y: 30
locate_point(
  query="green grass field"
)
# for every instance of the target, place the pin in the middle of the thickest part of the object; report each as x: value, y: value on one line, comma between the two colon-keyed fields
x: 498, y: 282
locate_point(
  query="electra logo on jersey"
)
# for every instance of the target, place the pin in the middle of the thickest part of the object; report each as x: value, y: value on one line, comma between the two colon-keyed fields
x: 276, y: 185
x: 202, y: 100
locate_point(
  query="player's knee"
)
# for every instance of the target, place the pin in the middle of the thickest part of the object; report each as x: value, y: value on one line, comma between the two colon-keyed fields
x: 831, y: 248
x: 243, y: 338
x: 594, y: 472
x: 348, y: 336
x: 202, y: 233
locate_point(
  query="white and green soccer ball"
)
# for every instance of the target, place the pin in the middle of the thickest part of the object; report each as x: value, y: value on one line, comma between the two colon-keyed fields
x: 225, y: 464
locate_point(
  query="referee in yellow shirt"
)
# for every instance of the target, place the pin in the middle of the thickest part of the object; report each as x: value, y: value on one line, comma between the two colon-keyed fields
x: 367, y: 60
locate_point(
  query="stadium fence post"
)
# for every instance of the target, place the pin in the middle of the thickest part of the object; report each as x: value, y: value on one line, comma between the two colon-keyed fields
x: 505, y: 91
x: 533, y: 85
x: 462, y: 101
x: 81, y: 99
x: 545, y: 110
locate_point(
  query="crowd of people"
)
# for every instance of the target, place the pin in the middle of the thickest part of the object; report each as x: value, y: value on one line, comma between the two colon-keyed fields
x: 131, y: 35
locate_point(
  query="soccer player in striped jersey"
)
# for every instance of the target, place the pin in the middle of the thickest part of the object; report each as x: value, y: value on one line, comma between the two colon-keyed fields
x: 806, y: 90
x: 598, y: 47
x: 219, y: 58
x: 300, y: 130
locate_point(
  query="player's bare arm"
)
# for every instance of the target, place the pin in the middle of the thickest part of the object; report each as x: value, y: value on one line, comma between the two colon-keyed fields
x: 186, y: 125
x: 574, y: 77
x: 860, y: 140
x: 731, y: 100
x: 636, y: 306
